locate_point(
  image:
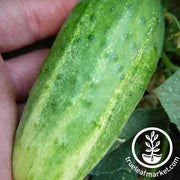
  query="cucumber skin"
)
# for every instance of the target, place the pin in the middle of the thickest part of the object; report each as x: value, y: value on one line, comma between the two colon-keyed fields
x: 91, y: 81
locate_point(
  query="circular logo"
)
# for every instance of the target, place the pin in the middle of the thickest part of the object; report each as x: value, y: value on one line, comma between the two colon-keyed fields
x: 151, y: 139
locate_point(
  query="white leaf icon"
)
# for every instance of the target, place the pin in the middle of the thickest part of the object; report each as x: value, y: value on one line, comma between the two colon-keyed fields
x: 157, y: 144
x: 152, y: 133
x: 156, y: 150
x: 156, y: 136
x: 147, y: 144
x: 148, y: 150
x: 147, y: 137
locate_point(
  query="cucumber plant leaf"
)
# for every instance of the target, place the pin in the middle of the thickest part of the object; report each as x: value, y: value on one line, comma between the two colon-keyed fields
x: 143, y: 118
x: 169, y: 95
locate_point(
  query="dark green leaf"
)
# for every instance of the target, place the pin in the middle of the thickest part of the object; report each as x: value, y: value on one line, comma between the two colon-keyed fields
x: 143, y: 118
x: 119, y: 175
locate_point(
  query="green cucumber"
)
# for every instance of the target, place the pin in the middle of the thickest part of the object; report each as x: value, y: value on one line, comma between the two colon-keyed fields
x: 90, y: 83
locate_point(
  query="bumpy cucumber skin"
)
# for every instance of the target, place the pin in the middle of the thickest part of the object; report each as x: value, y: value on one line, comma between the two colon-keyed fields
x: 93, y: 78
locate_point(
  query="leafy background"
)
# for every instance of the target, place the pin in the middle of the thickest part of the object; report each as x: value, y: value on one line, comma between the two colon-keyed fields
x: 159, y: 107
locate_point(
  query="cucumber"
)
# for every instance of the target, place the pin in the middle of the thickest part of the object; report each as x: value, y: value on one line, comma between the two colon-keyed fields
x: 91, y: 81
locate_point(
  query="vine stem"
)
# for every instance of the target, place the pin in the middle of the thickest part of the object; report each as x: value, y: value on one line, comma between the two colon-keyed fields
x: 168, y: 63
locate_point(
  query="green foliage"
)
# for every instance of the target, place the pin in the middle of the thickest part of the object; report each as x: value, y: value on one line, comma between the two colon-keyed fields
x: 142, y: 118
x: 172, y: 35
x: 171, y: 49
x: 169, y: 95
